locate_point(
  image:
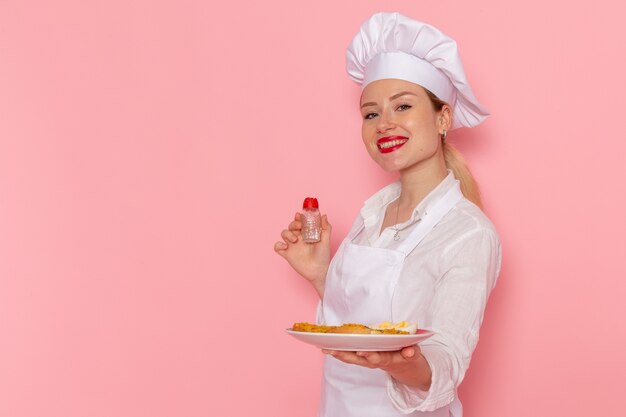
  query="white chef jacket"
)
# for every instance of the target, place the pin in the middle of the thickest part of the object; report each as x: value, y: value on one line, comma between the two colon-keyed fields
x: 444, y: 286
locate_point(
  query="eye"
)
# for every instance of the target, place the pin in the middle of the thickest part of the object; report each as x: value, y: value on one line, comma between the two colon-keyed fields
x: 403, y: 107
x: 370, y: 116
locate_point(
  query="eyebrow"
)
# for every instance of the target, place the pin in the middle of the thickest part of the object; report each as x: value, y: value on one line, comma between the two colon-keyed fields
x: 395, y: 96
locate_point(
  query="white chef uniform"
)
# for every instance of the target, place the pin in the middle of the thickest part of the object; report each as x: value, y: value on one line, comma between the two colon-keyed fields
x: 439, y: 274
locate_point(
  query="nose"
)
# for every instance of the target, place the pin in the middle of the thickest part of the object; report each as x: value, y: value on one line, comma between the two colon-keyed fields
x: 385, y: 122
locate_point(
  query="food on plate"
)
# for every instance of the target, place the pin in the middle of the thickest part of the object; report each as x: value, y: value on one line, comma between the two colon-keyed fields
x: 351, y: 328
x: 402, y: 327
x: 310, y: 328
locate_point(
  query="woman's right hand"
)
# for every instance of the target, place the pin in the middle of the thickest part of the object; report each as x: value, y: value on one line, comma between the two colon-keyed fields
x: 310, y: 260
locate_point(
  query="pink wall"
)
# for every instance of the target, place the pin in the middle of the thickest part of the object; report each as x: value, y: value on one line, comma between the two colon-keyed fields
x: 151, y: 152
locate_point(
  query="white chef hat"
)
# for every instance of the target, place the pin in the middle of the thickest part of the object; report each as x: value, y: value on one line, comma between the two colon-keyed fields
x: 390, y: 45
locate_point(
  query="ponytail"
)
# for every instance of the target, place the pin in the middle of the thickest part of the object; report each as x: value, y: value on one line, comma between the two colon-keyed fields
x: 455, y: 161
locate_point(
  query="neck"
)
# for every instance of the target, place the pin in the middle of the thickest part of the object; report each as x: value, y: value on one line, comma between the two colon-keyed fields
x: 419, y: 180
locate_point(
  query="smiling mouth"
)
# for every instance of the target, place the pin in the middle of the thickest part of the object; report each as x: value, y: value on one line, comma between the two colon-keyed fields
x: 391, y: 143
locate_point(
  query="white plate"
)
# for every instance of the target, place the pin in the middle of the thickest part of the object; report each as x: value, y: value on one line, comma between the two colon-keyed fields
x: 360, y: 342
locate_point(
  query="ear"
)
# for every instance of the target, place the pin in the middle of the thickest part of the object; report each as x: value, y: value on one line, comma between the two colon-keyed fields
x: 445, y: 118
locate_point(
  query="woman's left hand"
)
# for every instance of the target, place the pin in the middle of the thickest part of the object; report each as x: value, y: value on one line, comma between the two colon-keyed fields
x: 407, y: 365
x: 387, y: 361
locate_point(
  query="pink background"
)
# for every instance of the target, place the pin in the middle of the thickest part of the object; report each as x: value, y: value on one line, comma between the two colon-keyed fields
x: 151, y: 152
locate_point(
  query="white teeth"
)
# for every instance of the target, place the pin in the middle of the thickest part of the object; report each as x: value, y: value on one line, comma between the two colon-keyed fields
x: 392, y: 143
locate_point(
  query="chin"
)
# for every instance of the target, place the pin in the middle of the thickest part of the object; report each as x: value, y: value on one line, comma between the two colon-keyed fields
x: 391, y: 167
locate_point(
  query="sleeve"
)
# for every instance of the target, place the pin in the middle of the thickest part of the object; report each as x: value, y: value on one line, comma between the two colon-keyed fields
x: 469, y: 269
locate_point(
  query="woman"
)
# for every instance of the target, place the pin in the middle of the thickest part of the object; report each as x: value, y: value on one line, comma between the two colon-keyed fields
x: 421, y: 250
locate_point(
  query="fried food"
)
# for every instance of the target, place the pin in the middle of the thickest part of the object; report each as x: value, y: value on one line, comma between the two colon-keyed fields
x: 351, y: 328
x: 311, y: 328
x: 348, y: 328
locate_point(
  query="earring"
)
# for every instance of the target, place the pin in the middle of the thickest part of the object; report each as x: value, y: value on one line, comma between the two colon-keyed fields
x: 444, y: 134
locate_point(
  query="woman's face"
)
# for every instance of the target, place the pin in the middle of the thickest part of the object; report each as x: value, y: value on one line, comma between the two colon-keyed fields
x: 400, y: 127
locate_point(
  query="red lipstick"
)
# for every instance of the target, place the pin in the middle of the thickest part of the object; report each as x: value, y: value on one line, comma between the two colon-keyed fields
x: 391, y: 143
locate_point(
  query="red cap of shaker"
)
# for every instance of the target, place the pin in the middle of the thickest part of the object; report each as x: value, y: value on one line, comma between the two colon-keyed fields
x: 310, y: 203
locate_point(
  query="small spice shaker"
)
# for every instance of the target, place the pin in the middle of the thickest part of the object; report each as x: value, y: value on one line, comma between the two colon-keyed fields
x: 311, y: 221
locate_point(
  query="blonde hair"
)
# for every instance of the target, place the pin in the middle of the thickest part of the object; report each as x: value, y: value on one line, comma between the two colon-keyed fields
x: 456, y: 163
